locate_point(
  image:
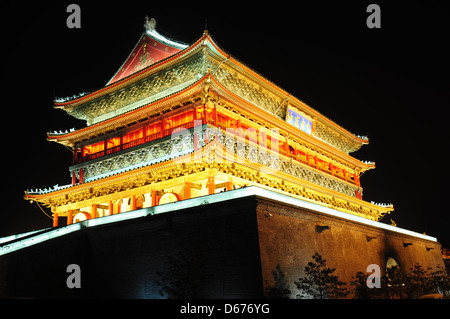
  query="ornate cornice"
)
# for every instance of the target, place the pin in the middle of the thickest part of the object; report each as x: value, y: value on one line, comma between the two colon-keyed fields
x: 249, y: 164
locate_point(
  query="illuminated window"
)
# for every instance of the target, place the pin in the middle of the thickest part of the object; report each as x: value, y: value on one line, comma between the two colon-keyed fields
x: 199, y: 112
x: 176, y: 121
x: 223, y: 120
x: 134, y: 135
x: 93, y: 148
x: 181, y: 119
x: 153, y: 128
x: 168, y: 124
x: 113, y: 142
x: 186, y: 117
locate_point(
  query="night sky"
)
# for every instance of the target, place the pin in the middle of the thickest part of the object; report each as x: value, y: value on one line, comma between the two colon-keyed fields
x: 391, y: 84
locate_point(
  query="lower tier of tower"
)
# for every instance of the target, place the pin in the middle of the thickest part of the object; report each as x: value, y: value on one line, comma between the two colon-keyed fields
x: 235, y: 241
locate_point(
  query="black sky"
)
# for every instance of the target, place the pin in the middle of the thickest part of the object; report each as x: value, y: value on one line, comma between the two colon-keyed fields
x: 391, y: 84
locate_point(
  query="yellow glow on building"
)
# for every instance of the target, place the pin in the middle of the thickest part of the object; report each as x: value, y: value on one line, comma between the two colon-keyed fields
x: 192, y: 122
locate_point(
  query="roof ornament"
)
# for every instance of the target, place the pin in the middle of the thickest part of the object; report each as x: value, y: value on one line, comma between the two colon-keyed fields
x: 68, y: 98
x: 149, y: 24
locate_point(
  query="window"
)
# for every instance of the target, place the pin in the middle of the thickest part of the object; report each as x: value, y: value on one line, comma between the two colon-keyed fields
x: 223, y: 120
x: 168, y: 124
x: 199, y: 112
x: 113, y: 142
x: 93, y: 148
x: 153, y: 128
x: 187, y: 117
x: 134, y: 135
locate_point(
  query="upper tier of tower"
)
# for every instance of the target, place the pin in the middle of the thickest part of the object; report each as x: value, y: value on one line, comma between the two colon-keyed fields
x: 159, y: 67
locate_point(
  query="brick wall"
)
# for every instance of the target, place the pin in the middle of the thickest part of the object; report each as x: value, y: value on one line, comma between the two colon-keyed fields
x: 289, y: 237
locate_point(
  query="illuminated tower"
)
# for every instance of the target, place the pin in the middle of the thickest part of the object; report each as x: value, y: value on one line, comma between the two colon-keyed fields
x: 179, y: 121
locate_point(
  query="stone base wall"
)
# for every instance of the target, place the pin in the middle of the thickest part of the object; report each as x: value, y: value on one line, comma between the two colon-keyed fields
x: 237, y: 243
x: 289, y: 237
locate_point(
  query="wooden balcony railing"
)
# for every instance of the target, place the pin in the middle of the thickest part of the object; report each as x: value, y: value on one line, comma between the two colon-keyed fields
x: 134, y: 143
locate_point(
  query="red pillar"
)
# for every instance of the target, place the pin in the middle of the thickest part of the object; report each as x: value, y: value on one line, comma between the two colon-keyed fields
x: 187, y: 190
x: 154, y: 198
x: 69, y: 217
x: 229, y: 186
x: 133, y: 202
x: 81, y: 176
x: 94, y: 211
x: 211, y: 185
x: 55, y: 219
